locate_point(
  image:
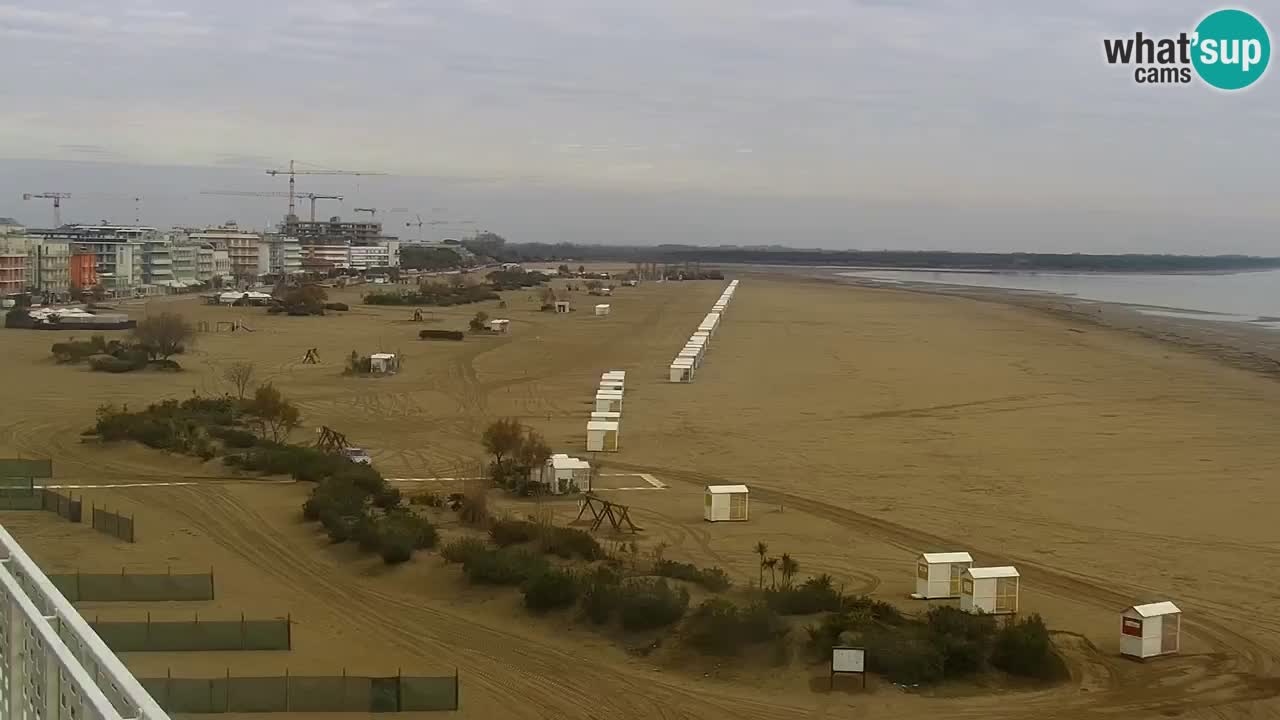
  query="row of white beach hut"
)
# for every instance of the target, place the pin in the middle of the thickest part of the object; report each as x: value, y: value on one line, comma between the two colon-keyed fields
x: 605, y: 424
x: 1146, y: 630
x: 689, y: 359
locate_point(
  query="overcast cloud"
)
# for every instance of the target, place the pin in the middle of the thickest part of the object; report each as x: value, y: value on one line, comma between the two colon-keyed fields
x: 990, y: 124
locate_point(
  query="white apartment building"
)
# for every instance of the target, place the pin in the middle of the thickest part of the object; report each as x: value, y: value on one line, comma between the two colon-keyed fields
x: 157, y: 262
x: 280, y: 255
x: 185, y: 261
x: 337, y: 255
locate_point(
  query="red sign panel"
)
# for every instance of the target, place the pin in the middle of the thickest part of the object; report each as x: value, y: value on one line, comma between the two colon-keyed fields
x: 1132, y: 626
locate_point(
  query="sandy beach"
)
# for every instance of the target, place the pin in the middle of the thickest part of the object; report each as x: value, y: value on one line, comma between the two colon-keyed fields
x: 1115, y: 458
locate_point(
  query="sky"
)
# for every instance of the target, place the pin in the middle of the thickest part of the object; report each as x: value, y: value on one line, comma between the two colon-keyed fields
x: 935, y: 124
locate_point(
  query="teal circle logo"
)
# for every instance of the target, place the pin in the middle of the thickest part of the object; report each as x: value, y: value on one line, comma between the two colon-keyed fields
x: 1232, y: 49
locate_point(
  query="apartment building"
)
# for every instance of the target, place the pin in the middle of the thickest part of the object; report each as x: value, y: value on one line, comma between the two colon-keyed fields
x: 382, y: 254
x: 333, y: 231
x: 282, y: 255
x: 9, y: 226
x: 329, y: 255
x: 157, y: 263
x: 119, y: 251
x: 13, y: 273
x: 243, y: 248
x: 47, y: 267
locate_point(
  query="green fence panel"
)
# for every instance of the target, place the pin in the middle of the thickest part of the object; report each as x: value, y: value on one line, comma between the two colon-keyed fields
x: 428, y: 693
x: 329, y: 694
x: 258, y: 694
x: 267, y: 635
x: 14, y: 469
x: 115, y: 587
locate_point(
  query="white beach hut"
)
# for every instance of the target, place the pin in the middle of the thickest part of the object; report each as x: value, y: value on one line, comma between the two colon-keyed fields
x: 701, y: 336
x: 383, y: 363
x: 562, y: 474
x: 500, y: 326
x: 725, y: 502
x: 611, y: 386
x: 608, y: 401
x: 602, y: 309
x: 692, y: 355
x: 562, y: 306
x: 938, y: 574
x: 614, y: 375
x: 991, y: 590
x: 681, y: 371
x: 602, y: 436
x: 609, y: 416
x: 1150, y: 630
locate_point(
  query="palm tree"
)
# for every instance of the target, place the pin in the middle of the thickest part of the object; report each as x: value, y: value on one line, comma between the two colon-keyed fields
x: 789, y: 569
x: 762, y: 550
x: 771, y: 563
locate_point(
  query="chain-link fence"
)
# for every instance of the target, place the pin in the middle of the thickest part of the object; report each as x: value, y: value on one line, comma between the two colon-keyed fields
x: 195, y: 635
x: 304, y: 693
x: 105, y: 521
x: 124, y: 587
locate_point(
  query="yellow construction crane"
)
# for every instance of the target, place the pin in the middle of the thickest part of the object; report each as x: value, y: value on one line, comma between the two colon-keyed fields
x: 313, y: 197
x: 56, y: 197
x: 292, y: 172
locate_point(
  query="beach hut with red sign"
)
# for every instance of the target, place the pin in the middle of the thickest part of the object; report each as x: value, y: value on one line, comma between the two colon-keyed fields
x: 1150, y: 630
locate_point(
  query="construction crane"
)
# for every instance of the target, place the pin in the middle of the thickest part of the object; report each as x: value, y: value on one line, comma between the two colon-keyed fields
x: 373, y: 212
x: 56, y: 197
x: 313, y: 197
x: 292, y: 172
x: 418, y: 224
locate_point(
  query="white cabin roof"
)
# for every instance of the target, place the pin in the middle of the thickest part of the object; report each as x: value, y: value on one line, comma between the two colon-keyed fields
x: 946, y: 557
x: 682, y: 362
x: 382, y: 356
x: 564, y: 462
x: 609, y: 394
x: 1156, y: 608
x: 602, y: 425
x: 983, y: 573
x: 727, y: 489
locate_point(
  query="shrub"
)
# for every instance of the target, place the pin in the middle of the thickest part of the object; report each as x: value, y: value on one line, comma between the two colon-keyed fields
x: 601, y: 594
x: 364, y: 530
x: 459, y: 550
x: 112, y: 364
x: 441, y: 335
x: 963, y: 639
x: 720, y: 627
x: 714, y: 579
x: 342, y: 307
x: 400, y: 534
x: 907, y: 658
x: 815, y: 595
x: 512, y: 532
x: 551, y: 590
x: 509, y: 566
x: 430, y: 499
x: 1022, y: 647
x: 571, y: 542
x: 647, y: 603
x: 234, y: 437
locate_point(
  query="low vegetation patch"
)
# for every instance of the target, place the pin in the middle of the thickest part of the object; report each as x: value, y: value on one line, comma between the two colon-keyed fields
x: 434, y: 295
x: 714, y: 579
x: 647, y: 604
x: 551, y: 590
x: 719, y: 627
x: 456, y: 335
x: 151, y: 345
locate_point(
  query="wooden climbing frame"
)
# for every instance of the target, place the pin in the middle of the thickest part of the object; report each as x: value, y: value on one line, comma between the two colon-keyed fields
x: 618, y: 515
x: 331, y: 440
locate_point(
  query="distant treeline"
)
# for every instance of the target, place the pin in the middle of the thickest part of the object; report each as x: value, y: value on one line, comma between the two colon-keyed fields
x: 678, y: 254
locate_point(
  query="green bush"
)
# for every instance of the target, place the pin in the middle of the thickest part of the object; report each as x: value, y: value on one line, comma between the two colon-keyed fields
x: 571, y: 542
x: 234, y: 437
x: 512, y: 532
x: 714, y: 579
x: 963, y: 639
x: 720, y: 627
x: 904, y: 657
x: 601, y: 594
x: 402, y: 533
x: 508, y: 566
x: 113, y: 364
x: 646, y: 604
x: 817, y: 594
x: 551, y: 590
x: 459, y: 550
x: 341, y: 307
x: 364, y: 530
x: 1022, y: 647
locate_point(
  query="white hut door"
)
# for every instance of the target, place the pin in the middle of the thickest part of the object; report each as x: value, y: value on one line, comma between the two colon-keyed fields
x: 955, y: 579
x: 1006, y: 595
x: 1169, y: 633
x: 738, y: 506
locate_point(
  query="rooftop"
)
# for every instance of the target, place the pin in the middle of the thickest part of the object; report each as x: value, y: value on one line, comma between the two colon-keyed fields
x: 727, y: 489
x: 1156, y: 608
x: 1002, y: 571
x: 947, y: 557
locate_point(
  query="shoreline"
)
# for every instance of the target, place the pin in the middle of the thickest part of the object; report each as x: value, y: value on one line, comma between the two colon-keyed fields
x: 1240, y: 344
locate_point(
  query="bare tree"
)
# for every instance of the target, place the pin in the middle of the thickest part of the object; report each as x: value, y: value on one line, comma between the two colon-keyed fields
x: 240, y: 375
x: 164, y: 334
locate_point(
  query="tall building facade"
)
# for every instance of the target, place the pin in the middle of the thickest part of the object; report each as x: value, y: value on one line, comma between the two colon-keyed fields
x: 243, y: 248
x: 47, y: 273
x: 13, y: 273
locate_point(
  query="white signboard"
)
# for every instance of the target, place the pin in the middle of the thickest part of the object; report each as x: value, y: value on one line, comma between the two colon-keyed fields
x: 848, y: 660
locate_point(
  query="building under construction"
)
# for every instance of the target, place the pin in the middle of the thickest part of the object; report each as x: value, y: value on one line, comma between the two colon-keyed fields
x: 334, y: 231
